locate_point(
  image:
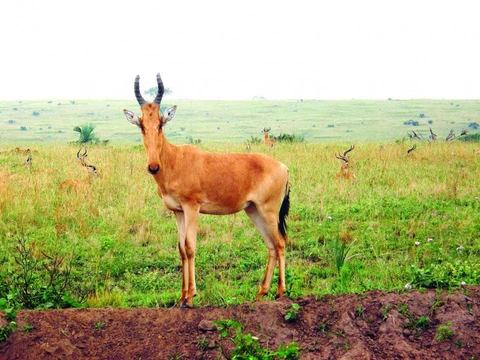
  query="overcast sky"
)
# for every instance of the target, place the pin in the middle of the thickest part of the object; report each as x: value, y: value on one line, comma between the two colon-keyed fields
x: 58, y: 49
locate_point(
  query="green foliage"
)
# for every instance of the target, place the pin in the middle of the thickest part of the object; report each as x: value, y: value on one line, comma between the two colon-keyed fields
x: 292, y: 313
x: 35, y: 282
x: 444, y: 332
x: 340, y: 253
x: 292, y: 138
x: 86, y: 133
x: 247, y: 346
x: 445, y: 274
x: 154, y: 90
x: 6, y: 330
x: 193, y: 141
x: 470, y: 138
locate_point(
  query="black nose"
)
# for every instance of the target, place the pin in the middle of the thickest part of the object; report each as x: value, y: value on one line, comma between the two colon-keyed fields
x: 153, y: 169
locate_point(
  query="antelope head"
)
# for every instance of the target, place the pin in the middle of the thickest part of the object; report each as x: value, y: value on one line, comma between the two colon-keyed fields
x: 151, y: 122
x: 92, y: 171
x: 344, y: 157
x: 28, y: 162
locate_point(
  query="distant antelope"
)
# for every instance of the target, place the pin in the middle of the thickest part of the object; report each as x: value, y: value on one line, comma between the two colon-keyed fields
x: 345, y: 170
x: 28, y: 162
x: 269, y: 142
x: 91, y: 175
x: 193, y: 181
x: 450, y: 136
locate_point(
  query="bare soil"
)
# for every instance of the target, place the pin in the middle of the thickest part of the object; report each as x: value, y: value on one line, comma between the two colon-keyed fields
x: 374, y: 325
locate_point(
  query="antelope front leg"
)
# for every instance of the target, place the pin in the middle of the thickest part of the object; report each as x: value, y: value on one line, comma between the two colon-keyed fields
x: 187, y: 253
x: 183, y: 255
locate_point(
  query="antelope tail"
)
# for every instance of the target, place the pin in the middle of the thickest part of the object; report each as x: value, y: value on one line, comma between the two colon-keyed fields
x: 284, y: 209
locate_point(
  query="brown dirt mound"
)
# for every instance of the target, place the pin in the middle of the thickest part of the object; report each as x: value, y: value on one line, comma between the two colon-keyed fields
x: 374, y: 325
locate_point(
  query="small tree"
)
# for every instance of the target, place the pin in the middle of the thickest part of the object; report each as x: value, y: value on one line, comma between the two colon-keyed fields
x: 86, y: 133
x: 154, y: 90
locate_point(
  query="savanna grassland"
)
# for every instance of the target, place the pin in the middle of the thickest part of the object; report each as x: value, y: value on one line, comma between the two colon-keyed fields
x: 405, y: 221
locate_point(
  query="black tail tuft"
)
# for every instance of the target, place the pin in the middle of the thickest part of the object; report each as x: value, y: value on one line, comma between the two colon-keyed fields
x: 282, y: 219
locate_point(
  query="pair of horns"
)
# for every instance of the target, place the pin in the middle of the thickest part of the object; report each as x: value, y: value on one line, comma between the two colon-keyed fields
x: 138, y: 95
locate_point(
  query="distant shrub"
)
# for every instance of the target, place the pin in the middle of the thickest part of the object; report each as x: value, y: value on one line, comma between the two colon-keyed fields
x: 430, y: 122
x: 15, y: 109
x: 35, y: 113
x: 421, y: 115
x: 11, y: 121
x: 470, y: 138
x: 330, y: 126
x: 254, y: 140
x: 193, y: 141
x: 473, y: 125
x: 23, y: 128
x: 289, y: 138
x: 49, y: 102
x: 72, y: 102
x: 411, y: 122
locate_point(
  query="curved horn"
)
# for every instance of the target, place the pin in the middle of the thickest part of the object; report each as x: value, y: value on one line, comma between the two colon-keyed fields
x: 161, y: 90
x: 346, y: 152
x: 138, y: 95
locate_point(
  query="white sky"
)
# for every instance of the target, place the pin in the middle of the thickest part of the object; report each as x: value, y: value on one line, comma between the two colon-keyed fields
x: 59, y: 49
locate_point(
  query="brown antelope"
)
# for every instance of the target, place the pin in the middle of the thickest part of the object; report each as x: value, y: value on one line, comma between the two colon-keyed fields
x: 345, y: 170
x: 78, y: 183
x: 28, y: 162
x: 191, y: 181
x: 269, y: 142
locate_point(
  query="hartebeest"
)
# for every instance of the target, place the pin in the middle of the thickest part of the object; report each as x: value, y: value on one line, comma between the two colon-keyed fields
x: 192, y: 181
x: 269, y: 142
x: 345, y: 169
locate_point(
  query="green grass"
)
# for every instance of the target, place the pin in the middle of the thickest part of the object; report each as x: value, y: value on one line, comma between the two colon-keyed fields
x: 237, y: 121
x: 113, y: 243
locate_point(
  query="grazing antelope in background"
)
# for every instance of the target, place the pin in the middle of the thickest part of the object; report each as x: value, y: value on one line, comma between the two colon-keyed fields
x: 450, y: 136
x: 28, y: 162
x: 269, y: 142
x: 346, y: 166
x: 91, y: 175
x: 192, y: 181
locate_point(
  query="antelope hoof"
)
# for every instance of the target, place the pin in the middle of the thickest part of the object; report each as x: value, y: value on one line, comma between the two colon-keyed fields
x: 187, y: 304
x: 259, y: 296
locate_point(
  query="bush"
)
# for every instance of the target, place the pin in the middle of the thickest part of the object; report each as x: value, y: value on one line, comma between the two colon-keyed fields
x: 289, y: 138
x: 86, y: 133
x: 470, y: 137
x: 411, y: 122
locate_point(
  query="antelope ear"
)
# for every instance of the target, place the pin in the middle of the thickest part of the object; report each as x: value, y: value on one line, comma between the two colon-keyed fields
x: 168, y: 114
x: 132, y: 117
